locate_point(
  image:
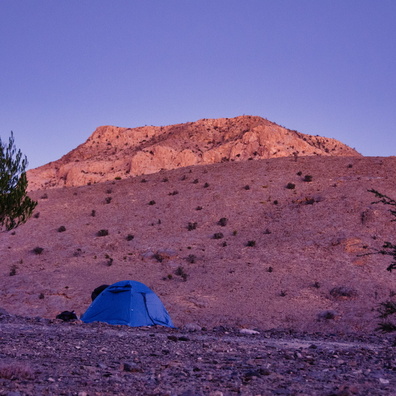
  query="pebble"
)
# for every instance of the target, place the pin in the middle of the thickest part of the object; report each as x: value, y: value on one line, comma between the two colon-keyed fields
x: 113, y: 360
x: 249, y: 331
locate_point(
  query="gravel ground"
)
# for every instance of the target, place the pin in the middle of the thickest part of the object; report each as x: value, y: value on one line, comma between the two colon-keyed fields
x: 49, y: 357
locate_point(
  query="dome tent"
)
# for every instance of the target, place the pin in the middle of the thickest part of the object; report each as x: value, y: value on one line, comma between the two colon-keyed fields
x: 129, y: 303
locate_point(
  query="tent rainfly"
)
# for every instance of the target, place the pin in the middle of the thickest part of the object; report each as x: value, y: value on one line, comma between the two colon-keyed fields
x: 129, y: 303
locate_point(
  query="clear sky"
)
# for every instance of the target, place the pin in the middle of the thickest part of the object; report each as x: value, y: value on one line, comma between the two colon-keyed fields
x: 323, y: 67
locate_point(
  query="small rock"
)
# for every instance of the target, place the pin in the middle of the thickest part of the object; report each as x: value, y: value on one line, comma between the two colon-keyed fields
x: 3, y: 312
x: 191, y: 392
x: 192, y: 327
x: 131, y: 367
x: 383, y: 381
x: 249, y: 331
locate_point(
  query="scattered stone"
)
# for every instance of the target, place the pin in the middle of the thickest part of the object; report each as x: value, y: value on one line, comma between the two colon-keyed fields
x: 66, y: 358
x: 249, y: 331
x: 192, y: 327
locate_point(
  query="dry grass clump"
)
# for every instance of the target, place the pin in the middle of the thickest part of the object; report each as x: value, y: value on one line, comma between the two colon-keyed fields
x: 15, y: 371
x: 343, y: 292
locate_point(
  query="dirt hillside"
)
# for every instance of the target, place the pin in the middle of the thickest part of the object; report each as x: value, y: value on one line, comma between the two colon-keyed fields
x: 267, y: 244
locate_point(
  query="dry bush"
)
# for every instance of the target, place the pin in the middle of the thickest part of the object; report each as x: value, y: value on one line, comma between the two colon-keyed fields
x: 15, y: 371
x: 343, y: 292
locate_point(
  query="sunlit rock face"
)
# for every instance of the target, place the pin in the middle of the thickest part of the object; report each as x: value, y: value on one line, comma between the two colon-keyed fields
x: 113, y: 152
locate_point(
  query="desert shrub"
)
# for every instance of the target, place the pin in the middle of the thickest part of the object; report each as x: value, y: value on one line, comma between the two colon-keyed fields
x: 267, y: 232
x: 159, y: 257
x: 109, y: 261
x: 206, y: 185
x: 13, y: 270
x: 174, y: 193
x: 388, y: 248
x: 15, y: 371
x: 109, y: 191
x: 290, y: 186
x: 299, y: 173
x: 130, y: 237
x: 101, y: 233
x: 316, y: 285
x: 276, y: 202
x: 62, y: 229
x: 223, y: 222
x: 326, y: 315
x: 108, y: 200
x: 165, y: 179
x: 38, y: 250
x: 143, y: 181
x: 192, y: 226
x: 386, y: 309
x: 309, y: 201
x: 307, y: 178
x: 234, y: 233
x: 198, y: 208
x: 270, y: 269
x: 283, y: 293
x: 180, y: 272
x: 366, y: 216
x: 36, y: 215
x: 117, y: 178
x: 343, y: 292
x: 152, y: 202
x: 93, y: 213
x: 191, y: 258
x: 251, y: 243
x: 218, y: 235
x: 195, y: 181
x: 386, y: 327
x: 247, y: 187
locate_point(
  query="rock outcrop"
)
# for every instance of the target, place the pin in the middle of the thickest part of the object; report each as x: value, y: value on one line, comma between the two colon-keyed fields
x: 113, y: 152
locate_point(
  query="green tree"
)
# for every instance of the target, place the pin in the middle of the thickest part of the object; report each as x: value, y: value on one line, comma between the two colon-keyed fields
x: 15, y: 206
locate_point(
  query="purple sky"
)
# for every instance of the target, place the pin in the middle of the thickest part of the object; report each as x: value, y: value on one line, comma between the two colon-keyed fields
x: 323, y: 67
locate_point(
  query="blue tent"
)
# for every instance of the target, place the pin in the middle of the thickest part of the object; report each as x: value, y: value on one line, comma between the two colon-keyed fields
x: 129, y: 303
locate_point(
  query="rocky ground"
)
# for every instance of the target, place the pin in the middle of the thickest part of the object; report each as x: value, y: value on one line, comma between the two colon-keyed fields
x: 253, y: 251
x: 255, y: 245
x: 49, y: 357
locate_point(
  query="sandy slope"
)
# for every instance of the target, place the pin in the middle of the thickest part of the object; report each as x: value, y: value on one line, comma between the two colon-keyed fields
x: 307, y: 241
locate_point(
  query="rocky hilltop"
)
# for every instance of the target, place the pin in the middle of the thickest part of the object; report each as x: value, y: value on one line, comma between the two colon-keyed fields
x: 113, y: 152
